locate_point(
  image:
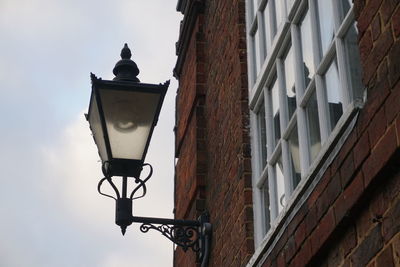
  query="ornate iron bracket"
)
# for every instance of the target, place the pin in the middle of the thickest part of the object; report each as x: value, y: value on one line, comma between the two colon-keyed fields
x: 187, y: 234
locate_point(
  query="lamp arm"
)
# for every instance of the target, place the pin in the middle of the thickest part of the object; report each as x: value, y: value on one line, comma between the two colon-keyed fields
x: 193, y: 234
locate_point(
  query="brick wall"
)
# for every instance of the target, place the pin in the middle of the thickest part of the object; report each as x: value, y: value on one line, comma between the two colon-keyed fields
x: 228, y: 193
x: 212, y: 135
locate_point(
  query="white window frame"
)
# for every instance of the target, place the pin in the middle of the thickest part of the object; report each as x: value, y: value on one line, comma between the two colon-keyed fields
x: 272, y: 48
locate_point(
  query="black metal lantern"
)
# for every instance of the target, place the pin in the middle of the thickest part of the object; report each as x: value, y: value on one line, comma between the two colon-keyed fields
x: 122, y: 116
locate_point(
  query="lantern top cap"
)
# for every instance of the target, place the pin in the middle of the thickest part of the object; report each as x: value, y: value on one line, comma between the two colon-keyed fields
x: 126, y: 69
x: 126, y: 52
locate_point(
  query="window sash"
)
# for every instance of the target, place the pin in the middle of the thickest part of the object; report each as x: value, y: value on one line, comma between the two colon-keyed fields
x: 272, y: 54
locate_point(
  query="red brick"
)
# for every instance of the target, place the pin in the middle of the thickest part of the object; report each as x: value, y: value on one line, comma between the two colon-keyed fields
x: 280, y: 244
x: 349, y: 197
x: 347, y: 263
x: 368, y: 248
x: 391, y: 222
x: 382, y: 71
x: 394, y: 63
x: 377, y: 127
x: 379, y: 205
x: 350, y: 240
x: 323, y: 231
x: 303, y: 256
x: 344, y: 151
x: 323, y: 182
x: 381, y: 47
x: 347, y: 170
x: 366, y: 45
x: 297, y: 219
x: 380, y: 155
x: 329, y: 195
x: 396, y: 249
x: 280, y: 260
x: 387, y: 9
x: 398, y: 129
x: 392, y: 107
x: 366, y: 15
x: 358, y: 7
x: 396, y: 22
x: 376, y: 97
x: 300, y: 234
x: 361, y: 150
x: 364, y: 223
x: 311, y: 219
x: 376, y: 27
x: 385, y: 258
x: 290, y: 249
x: 392, y: 189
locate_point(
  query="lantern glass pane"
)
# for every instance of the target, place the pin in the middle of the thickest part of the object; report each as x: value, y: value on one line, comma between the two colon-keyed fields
x: 129, y: 118
x: 97, y: 130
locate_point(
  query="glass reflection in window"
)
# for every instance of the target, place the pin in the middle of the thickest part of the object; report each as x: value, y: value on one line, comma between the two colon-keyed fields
x: 346, y: 5
x: 262, y: 134
x: 353, y: 58
x: 326, y: 23
x: 255, y: 6
x: 256, y: 48
x: 313, y: 126
x: 289, y: 82
x: 332, y: 86
x: 306, y: 48
x: 265, y: 194
x: 295, y: 156
x: 280, y: 185
x: 276, y: 111
x: 267, y: 26
x: 278, y: 12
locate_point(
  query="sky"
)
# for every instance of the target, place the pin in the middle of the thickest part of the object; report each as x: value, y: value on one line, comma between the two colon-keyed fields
x: 51, y: 214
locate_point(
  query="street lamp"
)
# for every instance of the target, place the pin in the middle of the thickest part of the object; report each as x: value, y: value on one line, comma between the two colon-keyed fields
x: 122, y: 116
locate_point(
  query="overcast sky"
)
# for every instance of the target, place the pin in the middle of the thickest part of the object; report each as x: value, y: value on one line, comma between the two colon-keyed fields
x: 50, y: 211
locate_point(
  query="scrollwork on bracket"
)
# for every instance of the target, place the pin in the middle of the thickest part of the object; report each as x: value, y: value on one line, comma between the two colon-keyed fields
x: 184, y: 236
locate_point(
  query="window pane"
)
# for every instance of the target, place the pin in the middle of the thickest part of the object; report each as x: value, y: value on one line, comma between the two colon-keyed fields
x: 333, y: 93
x: 279, y: 14
x: 255, y: 6
x: 289, y: 82
x: 295, y: 156
x: 262, y: 134
x: 267, y: 27
x: 280, y: 185
x: 326, y: 24
x: 353, y: 58
x: 313, y: 126
x: 289, y: 4
x: 346, y: 4
x: 256, y: 48
x: 265, y: 194
x: 306, y: 48
x: 276, y: 111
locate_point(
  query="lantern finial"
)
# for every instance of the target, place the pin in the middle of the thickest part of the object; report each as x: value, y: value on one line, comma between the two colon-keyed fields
x: 126, y: 69
x: 126, y: 52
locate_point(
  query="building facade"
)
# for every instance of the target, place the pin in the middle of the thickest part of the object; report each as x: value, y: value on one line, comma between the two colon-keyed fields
x: 288, y: 130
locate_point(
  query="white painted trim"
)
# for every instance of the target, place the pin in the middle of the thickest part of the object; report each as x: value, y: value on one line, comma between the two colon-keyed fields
x: 305, y: 187
x: 272, y: 52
